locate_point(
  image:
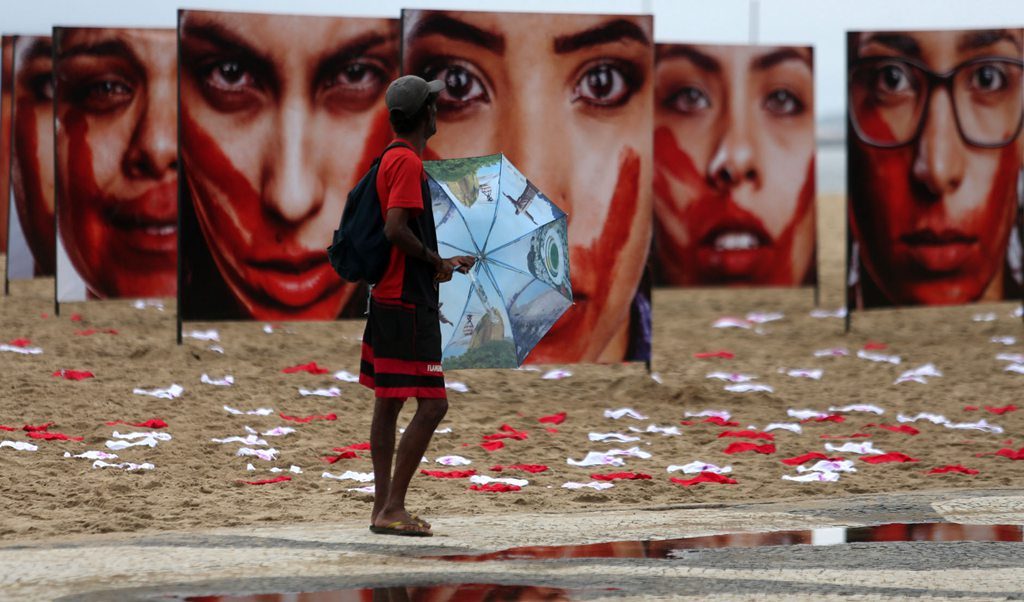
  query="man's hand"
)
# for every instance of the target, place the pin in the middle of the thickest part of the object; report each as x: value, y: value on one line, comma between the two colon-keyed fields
x: 459, y: 263
x: 396, y: 229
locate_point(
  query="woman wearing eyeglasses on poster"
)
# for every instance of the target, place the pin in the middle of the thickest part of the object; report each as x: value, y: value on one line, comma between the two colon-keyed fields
x: 568, y: 99
x: 280, y: 117
x: 117, y: 159
x: 32, y: 154
x: 935, y: 165
x: 734, y: 154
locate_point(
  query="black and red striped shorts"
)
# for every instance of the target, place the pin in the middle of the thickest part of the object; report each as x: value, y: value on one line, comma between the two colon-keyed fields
x: 402, y: 351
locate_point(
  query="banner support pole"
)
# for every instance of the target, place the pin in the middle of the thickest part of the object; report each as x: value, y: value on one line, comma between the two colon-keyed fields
x: 755, y: 6
x: 848, y: 302
x: 1020, y: 230
x: 55, y: 34
x: 181, y: 183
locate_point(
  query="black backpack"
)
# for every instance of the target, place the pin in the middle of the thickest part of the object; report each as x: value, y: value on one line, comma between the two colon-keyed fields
x: 359, y: 249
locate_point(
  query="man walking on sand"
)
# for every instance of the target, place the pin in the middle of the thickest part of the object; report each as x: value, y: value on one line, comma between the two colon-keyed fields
x: 402, y: 342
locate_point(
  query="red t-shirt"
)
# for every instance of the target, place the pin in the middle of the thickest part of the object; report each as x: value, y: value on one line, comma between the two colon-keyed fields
x: 400, y: 180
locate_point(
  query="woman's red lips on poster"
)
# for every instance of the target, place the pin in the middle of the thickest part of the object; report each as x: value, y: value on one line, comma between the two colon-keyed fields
x: 295, y: 279
x: 732, y: 228
x: 735, y: 237
x: 929, y: 236
x: 732, y: 245
x: 149, y: 222
x: 289, y: 262
x: 943, y: 250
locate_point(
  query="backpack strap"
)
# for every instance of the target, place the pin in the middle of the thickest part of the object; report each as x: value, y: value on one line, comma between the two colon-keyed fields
x: 397, y: 144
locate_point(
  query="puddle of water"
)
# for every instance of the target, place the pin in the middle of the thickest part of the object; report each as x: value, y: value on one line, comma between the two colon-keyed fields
x: 463, y: 592
x: 670, y: 548
x: 675, y: 548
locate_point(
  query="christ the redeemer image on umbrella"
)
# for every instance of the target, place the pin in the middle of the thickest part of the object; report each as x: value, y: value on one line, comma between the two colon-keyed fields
x: 484, y: 207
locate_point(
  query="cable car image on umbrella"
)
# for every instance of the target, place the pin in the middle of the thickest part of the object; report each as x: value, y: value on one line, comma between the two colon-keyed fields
x: 519, y: 287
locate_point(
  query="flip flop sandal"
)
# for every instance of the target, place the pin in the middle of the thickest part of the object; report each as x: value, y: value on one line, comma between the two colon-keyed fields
x: 394, y: 529
x: 417, y: 519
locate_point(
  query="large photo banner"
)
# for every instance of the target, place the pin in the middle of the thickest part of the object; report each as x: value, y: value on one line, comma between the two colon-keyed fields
x: 934, y: 151
x: 568, y: 99
x: 116, y: 143
x: 6, y: 110
x: 734, y: 182
x: 280, y: 116
x: 31, y: 246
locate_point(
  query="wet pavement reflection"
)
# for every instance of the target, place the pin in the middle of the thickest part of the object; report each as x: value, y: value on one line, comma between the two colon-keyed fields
x: 654, y: 549
x: 673, y: 548
x: 463, y: 592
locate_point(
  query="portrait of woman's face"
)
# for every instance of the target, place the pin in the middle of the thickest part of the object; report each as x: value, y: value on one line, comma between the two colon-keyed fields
x: 935, y: 153
x: 734, y: 165
x: 6, y: 89
x: 567, y: 98
x: 32, y: 145
x: 117, y: 158
x: 280, y: 117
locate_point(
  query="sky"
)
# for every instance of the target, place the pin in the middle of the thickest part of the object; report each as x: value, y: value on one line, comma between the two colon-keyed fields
x: 819, y: 23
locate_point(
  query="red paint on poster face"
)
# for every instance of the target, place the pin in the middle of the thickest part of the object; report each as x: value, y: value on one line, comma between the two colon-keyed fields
x: 38, y: 225
x: 944, y: 248
x: 912, y: 248
x: 273, y: 280
x: 712, y: 217
x: 123, y: 246
x: 593, y: 270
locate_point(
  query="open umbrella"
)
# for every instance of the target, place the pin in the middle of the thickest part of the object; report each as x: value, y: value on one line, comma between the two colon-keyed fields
x: 519, y: 287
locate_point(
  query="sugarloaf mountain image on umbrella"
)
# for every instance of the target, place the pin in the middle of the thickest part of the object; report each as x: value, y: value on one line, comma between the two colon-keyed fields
x: 494, y: 316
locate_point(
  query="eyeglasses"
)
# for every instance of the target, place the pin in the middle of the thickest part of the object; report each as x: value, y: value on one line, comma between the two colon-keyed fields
x: 889, y: 99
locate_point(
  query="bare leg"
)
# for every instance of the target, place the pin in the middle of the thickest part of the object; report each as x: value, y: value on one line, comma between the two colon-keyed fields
x: 382, y: 449
x: 429, y: 413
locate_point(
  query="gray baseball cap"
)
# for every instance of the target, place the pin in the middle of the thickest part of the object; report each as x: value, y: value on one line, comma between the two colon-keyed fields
x: 408, y: 93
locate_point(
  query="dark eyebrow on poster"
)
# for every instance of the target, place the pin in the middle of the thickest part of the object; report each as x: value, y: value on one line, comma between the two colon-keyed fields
x: 900, y: 42
x: 974, y: 40
x: 776, y: 57
x: 353, y: 49
x: 606, y: 33
x: 456, y: 29
x: 105, y: 48
x: 702, y: 61
x: 39, y: 49
x: 233, y: 47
